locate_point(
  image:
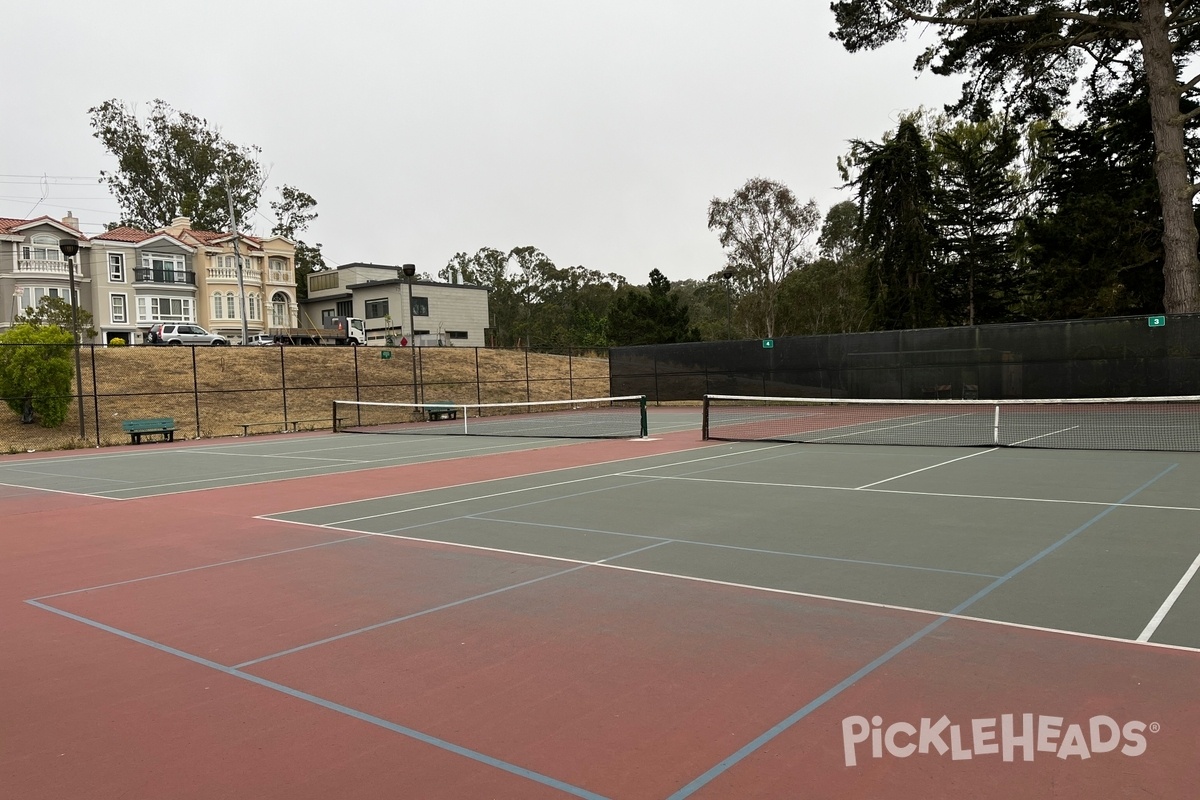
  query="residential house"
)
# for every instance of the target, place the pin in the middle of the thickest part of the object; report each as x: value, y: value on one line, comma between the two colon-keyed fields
x: 130, y: 279
x: 33, y: 267
x: 441, y: 313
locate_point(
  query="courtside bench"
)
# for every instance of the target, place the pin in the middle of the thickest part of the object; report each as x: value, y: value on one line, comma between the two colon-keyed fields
x: 440, y: 409
x: 154, y: 426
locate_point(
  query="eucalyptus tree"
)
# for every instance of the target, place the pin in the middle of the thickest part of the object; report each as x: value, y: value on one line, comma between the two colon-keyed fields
x: 763, y: 228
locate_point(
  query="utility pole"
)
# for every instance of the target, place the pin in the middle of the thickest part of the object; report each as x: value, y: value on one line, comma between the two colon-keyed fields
x: 237, y: 255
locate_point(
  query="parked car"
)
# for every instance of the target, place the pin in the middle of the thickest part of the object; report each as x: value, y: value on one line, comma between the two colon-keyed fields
x: 178, y: 333
x: 262, y: 339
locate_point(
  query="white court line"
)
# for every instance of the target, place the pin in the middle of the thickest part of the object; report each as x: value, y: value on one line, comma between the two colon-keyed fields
x: 64, y: 475
x: 557, y: 484
x: 60, y: 491
x: 924, y: 494
x: 923, y: 469
x: 1165, y: 608
x: 767, y: 589
x: 308, y: 472
x: 215, y: 452
x: 1044, y: 435
x: 865, y: 431
x: 624, y: 473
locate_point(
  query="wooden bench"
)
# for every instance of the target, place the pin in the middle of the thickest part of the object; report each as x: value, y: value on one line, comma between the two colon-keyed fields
x: 155, y: 426
x: 440, y: 409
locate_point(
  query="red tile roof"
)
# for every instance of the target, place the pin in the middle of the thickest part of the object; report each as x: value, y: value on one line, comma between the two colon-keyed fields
x: 125, y: 235
x: 7, y: 225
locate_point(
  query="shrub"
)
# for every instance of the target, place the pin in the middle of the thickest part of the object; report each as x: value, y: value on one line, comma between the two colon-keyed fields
x: 117, y: 341
x: 36, y: 372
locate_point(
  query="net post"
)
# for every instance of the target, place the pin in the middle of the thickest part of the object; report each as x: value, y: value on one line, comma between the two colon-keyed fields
x: 704, y: 420
x: 642, y: 406
x: 996, y: 426
x: 333, y: 416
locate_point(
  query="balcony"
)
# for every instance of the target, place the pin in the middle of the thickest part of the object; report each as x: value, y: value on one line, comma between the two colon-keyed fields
x: 148, y: 275
x: 44, y: 266
x: 230, y: 274
x: 281, y: 276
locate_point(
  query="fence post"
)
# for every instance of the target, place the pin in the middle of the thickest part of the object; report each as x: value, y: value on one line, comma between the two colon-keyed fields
x: 478, y: 387
x: 95, y: 395
x: 196, y: 390
x: 283, y: 381
x: 528, y: 395
x: 357, y: 395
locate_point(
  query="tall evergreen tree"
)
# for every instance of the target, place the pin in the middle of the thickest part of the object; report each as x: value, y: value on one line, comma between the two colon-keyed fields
x: 650, y: 316
x: 895, y: 197
x: 975, y: 205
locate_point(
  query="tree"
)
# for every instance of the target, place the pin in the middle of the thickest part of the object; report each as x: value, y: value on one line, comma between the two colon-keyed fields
x: 174, y: 165
x: 56, y: 312
x: 36, y: 372
x: 650, y: 316
x: 828, y: 295
x: 1031, y: 55
x: 895, y: 196
x: 975, y: 205
x: 293, y: 212
x: 763, y: 228
x: 1099, y: 169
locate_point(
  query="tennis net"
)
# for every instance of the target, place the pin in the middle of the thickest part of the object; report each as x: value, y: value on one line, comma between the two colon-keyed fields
x: 590, y: 418
x: 1114, y: 423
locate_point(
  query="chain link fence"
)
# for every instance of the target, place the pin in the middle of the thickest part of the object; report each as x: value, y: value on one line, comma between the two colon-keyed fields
x: 225, y: 391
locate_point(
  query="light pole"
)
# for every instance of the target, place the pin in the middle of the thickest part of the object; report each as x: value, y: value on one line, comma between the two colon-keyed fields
x: 410, y: 270
x: 70, y: 248
x: 728, y: 276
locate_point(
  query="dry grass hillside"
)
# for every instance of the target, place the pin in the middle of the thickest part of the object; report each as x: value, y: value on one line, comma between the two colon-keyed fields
x: 214, y: 391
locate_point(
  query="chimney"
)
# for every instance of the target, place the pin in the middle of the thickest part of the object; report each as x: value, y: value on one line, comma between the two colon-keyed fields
x: 454, y: 275
x: 183, y: 223
x: 71, y: 221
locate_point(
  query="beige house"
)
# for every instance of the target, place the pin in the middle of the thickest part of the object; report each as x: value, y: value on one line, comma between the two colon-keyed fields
x: 441, y: 313
x: 129, y: 279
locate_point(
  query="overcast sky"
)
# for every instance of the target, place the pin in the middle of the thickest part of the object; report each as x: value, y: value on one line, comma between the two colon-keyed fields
x: 596, y: 131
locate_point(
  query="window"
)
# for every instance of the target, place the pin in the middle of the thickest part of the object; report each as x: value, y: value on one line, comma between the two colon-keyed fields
x: 377, y: 309
x: 116, y: 304
x: 279, y: 310
x: 32, y: 295
x: 230, y: 307
x: 254, y: 304
x: 217, y: 305
x: 420, y: 306
x: 42, y: 248
x: 345, y: 308
x: 327, y: 316
x: 165, y: 309
x: 457, y: 335
x: 116, y: 267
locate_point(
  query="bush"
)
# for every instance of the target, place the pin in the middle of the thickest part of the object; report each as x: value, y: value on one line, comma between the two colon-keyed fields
x: 36, y: 372
x: 117, y: 341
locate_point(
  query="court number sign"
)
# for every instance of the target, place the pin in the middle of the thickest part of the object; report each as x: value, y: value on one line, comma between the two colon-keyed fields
x: 768, y: 344
x: 1157, y: 322
x: 385, y: 354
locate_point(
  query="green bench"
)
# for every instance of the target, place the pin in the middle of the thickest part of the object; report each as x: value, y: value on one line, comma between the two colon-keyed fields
x: 156, y: 426
x: 440, y: 409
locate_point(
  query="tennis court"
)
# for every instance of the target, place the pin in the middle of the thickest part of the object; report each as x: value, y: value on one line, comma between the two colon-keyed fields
x: 318, y: 615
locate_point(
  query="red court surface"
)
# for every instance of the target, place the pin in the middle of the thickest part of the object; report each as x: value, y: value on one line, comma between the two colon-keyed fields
x: 390, y: 668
